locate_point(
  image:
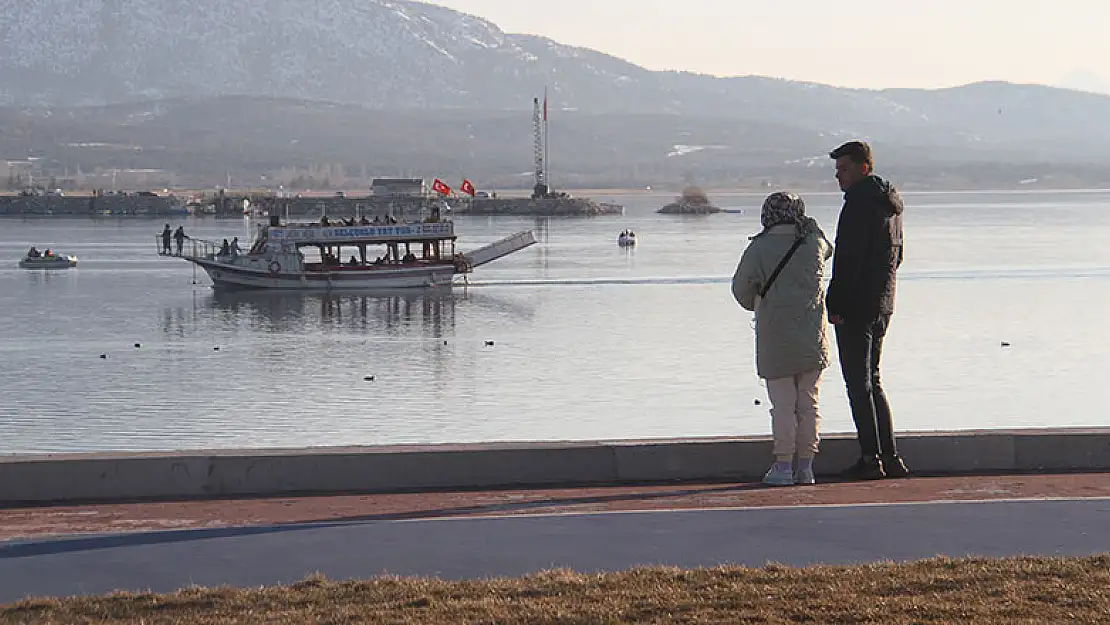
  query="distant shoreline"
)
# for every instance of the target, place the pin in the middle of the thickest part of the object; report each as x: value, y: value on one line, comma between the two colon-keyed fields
x: 517, y: 194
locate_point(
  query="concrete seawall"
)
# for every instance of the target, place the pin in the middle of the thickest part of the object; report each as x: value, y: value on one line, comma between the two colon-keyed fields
x: 204, y: 474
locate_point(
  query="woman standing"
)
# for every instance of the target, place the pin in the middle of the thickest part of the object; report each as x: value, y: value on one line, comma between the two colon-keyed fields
x: 780, y: 279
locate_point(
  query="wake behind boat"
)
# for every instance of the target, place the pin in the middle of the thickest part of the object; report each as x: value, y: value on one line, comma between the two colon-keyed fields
x: 416, y: 255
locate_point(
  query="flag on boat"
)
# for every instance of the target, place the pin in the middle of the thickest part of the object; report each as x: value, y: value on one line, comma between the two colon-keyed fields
x: 467, y: 188
x: 439, y: 187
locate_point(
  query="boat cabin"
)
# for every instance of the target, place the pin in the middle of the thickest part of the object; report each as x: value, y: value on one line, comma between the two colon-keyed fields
x: 360, y: 247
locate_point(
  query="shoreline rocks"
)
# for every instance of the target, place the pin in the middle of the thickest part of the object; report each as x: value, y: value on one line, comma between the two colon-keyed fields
x: 543, y: 207
x: 693, y: 201
x: 685, y: 208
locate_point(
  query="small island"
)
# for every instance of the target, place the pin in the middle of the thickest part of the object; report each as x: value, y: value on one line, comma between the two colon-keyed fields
x: 693, y: 201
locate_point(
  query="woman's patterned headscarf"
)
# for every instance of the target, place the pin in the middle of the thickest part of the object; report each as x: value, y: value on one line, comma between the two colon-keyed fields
x: 785, y: 207
x: 782, y: 207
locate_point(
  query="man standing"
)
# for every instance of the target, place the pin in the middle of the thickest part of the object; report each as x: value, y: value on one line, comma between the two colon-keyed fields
x: 179, y: 238
x: 860, y: 302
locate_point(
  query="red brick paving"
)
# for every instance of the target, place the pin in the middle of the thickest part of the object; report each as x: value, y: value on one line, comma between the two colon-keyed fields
x: 56, y: 520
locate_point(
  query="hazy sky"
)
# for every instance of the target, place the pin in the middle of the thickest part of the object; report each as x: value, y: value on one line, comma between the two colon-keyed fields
x: 886, y: 43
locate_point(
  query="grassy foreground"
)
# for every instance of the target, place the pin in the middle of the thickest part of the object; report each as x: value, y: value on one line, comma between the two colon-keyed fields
x: 1021, y: 590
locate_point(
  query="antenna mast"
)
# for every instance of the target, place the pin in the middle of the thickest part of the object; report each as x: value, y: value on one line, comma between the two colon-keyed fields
x: 546, y: 159
x: 539, y: 132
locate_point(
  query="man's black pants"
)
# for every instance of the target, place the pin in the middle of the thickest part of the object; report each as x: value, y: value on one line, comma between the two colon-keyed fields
x: 861, y: 346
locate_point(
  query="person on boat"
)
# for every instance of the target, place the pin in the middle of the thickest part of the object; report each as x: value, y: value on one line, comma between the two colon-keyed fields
x: 34, y: 253
x: 377, y: 221
x: 409, y: 257
x: 234, y: 248
x: 179, y: 238
x: 364, y: 221
x: 353, y: 262
x: 780, y: 278
x: 48, y: 253
x: 392, y: 220
x: 433, y: 218
x: 225, y: 249
x: 166, y: 233
x: 324, y: 221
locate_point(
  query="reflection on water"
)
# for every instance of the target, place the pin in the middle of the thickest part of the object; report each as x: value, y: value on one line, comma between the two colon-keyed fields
x: 382, y: 311
x: 434, y: 311
x: 542, y: 229
x: 49, y: 276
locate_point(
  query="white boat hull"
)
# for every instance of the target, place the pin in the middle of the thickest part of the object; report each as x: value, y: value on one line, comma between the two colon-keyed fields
x: 225, y: 276
x: 284, y: 269
x: 56, y: 262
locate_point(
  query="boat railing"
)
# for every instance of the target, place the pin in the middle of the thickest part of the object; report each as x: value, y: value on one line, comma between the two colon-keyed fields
x: 191, y: 248
x: 342, y: 224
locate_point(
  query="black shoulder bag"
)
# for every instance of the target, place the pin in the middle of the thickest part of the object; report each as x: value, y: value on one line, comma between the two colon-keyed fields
x: 785, y: 259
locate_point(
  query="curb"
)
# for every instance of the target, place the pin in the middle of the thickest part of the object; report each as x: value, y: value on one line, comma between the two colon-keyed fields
x: 72, y: 478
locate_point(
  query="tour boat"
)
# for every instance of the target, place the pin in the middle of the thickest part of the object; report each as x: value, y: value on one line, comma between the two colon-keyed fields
x: 415, y: 255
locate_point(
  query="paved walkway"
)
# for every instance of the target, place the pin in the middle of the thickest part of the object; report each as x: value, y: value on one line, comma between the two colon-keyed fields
x: 65, y: 520
x: 246, y: 542
x: 515, y: 545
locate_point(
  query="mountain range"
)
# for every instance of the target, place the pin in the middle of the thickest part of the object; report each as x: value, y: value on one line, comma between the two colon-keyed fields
x: 256, y: 86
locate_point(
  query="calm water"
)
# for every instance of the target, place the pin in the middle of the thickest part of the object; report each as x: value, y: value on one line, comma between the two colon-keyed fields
x: 591, y: 341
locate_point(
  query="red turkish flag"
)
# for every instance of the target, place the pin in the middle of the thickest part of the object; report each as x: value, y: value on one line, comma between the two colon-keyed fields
x: 439, y: 187
x: 467, y: 188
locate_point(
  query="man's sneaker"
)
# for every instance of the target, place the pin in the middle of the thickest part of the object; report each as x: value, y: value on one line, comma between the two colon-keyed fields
x: 865, y: 469
x: 894, y: 467
x: 780, y: 474
x: 804, y: 474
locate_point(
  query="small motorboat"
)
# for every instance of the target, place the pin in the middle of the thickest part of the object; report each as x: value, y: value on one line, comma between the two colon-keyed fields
x: 626, y: 239
x: 51, y: 261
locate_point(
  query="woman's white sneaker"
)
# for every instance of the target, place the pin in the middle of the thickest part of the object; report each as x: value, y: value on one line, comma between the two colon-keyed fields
x: 780, y: 474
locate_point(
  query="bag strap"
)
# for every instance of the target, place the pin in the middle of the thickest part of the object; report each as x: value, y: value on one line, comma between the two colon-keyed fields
x: 785, y: 259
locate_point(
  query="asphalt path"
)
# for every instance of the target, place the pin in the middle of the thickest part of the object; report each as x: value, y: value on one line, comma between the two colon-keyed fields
x: 510, y: 546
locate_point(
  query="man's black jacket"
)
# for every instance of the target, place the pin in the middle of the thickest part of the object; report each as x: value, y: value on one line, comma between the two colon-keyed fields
x: 868, y: 252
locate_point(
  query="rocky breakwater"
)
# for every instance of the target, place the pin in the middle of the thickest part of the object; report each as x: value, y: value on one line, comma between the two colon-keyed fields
x: 538, y: 207
x: 89, y: 205
x: 693, y: 201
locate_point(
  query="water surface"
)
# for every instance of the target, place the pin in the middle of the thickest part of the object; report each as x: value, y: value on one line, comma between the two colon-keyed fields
x: 591, y: 341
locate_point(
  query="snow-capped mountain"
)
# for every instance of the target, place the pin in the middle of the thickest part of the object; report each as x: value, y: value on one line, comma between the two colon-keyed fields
x: 401, y: 55
x: 377, y: 53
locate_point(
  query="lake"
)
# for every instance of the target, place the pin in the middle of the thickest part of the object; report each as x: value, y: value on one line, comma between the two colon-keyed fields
x: 591, y: 341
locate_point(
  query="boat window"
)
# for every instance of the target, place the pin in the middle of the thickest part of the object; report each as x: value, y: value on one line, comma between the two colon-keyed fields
x: 311, y: 255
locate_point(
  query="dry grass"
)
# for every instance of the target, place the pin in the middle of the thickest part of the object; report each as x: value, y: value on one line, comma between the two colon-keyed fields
x: 1024, y: 590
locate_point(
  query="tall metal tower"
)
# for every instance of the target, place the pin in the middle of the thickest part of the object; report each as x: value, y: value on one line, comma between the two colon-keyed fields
x: 539, y: 132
